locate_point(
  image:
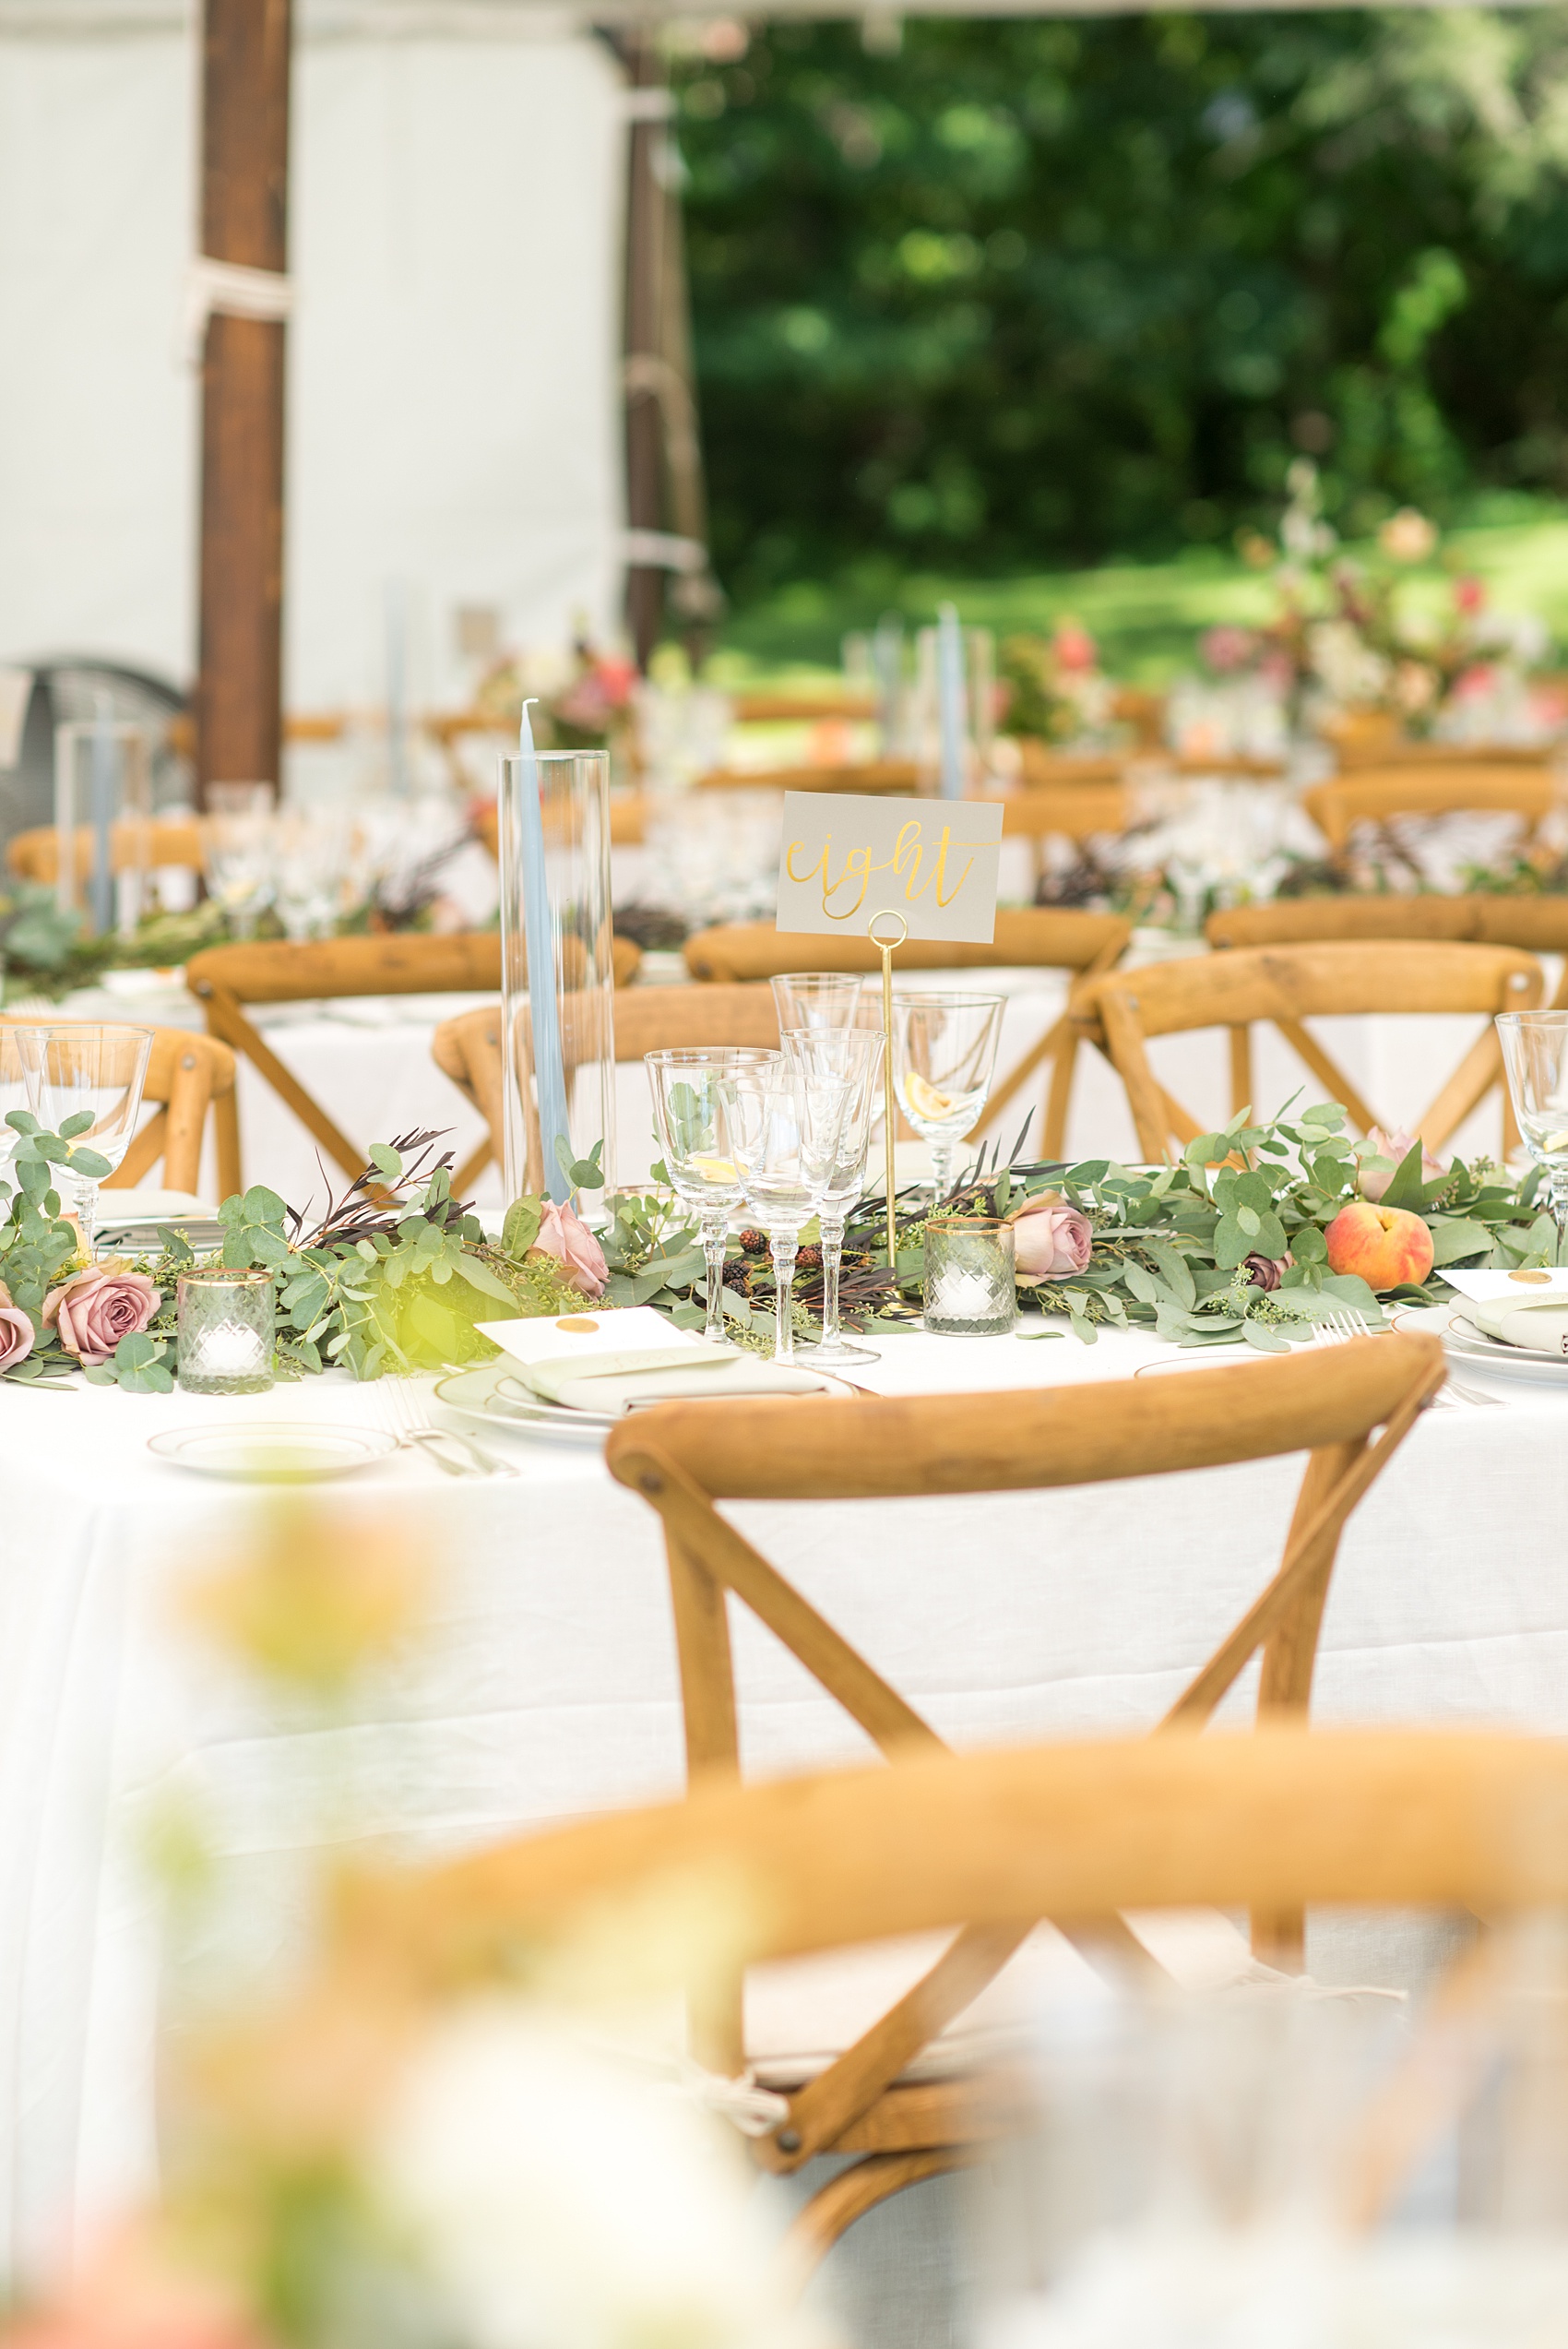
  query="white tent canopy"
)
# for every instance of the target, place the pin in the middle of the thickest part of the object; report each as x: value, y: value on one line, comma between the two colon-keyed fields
x: 454, y: 412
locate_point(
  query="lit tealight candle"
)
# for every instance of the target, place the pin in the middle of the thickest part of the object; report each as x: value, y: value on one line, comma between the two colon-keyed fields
x: 225, y: 1322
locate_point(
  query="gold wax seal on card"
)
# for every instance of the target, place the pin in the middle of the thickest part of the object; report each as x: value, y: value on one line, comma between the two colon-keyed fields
x: 576, y: 1321
x: 1537, y: 1280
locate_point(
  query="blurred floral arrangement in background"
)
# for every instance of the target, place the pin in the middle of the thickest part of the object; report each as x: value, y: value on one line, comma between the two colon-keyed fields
x: 1052, y: 688
x: 584, y: 698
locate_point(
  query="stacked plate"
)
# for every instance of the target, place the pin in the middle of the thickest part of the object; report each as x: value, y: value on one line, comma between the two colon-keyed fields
x: 1471, y: 1346
x: 493, y: 1396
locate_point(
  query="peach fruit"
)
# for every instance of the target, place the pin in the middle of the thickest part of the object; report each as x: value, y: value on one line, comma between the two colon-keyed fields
x: 1385, y: 1245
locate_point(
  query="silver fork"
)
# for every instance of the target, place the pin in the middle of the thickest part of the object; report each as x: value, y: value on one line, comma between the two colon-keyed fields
x: 1337, y: 1328
x: 407, y: 1414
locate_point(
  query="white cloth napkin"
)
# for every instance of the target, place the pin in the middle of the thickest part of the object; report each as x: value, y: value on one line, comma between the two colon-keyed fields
x: 619, y: 1381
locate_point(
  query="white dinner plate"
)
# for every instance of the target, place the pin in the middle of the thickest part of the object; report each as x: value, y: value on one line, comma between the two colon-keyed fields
x: 273, y: 1451
x: 1471, y: 1347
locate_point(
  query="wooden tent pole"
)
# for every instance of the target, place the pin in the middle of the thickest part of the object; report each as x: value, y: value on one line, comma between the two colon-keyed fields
x: 644, y: 339
x: 244, y: 212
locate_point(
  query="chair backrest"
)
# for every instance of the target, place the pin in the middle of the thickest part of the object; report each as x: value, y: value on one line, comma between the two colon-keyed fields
x: 1046, y: 937
x: 187, y: 1074
x: 1435, y: 1818
x: 1290, y: 986
x: 1375, y: 795
x: 684, y: 1460
x: 469, y: 1050
x: 628, y: 821
x: 865, y: 775
x: 1070, y: 811
x: 35, y: 855
x: 226, y: 978
x: 1041, y: 768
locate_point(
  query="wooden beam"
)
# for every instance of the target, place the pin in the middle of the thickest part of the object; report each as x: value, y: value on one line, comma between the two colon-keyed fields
x: 245, y: 221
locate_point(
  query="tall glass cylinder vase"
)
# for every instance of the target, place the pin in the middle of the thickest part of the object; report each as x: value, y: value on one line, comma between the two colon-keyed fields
x: 557, y: 973
x: 103, y: 821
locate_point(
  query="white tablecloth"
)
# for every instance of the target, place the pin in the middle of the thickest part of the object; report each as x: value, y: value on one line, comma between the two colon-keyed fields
x: 544, y: 1683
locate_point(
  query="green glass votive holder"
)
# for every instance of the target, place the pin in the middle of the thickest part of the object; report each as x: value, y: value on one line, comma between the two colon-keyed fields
x: 970, y: 1268
x: 225, y: 1323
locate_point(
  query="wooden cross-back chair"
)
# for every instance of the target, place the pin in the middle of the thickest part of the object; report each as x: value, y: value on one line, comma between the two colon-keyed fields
x: 1535, y: 924
x: 1378, y: 796
x: 469, y: 1050
x: 187, y: 1075
x: 877, y: 775
x: 34, y: 855
x: 225, y: 979
x: 1432, y: 1820
x: 1288, y: 985
x: 1047, y: 937
x: 684, y: 1459
x: 629, y: 819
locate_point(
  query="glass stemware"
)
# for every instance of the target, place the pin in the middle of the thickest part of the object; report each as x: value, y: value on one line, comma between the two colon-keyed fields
x: 1535, y: 1055
x: 786, y: 1141
x: 817, y: 999
x: 854, y: 1057
x: 693, y: 1112
x: 944, y: 1056
x: 13, y: 1094
x: 239, y: 842
x: 82, y: 1067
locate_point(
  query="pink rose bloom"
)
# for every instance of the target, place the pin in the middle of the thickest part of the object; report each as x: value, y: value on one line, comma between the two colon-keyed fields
x: 1227, y: 649
x: 16, y: 1330
x: 93, y: 1310
x: 565, y: 1237
x: 1469, y: 593
x: 1052, y: 1239
x: 1371, y: 1182
x: 1074, y: 648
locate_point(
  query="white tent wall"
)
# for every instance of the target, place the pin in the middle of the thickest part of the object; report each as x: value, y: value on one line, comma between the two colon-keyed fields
x: 454, y: 414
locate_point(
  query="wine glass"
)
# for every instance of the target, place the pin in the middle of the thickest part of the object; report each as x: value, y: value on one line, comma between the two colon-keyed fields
x: 785, y: 1138
x: 239, y: 846
x: 943, y: 1054
x: 693, y: 1110
x: 854, y: 1057
x: 79, y: 1067
x: 817, y: 999
x: 1534, y: 1054
x: 13, y: 1094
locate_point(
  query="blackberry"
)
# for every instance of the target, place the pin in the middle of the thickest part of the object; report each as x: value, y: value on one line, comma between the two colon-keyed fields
x: 753, y: 1242
x: 809, y: 1259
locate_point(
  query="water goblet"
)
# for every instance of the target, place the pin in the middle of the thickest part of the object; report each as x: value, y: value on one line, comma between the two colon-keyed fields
x: 1535, y: 1055
x: 239, y: 845
x: 694, y: 1110
x: 80, y: 1066
x: 853, y: 1055
x: 817, y: 999
x: 944, y: 1056
x: 786, y: 1138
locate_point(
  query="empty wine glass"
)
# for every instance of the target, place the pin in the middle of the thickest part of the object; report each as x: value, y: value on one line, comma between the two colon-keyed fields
x: 694, y: 1110
x: 239, y: 846
x: 785, y: 1139
x: 80, y: 1066
x: 853, y: 1055
x: 943, y: 1054
x: 1534, y: 1054
x: 817, y: 999
x: 315, y: 851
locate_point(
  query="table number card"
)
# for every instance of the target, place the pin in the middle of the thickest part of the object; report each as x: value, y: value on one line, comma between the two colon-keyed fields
x: 847, y: 856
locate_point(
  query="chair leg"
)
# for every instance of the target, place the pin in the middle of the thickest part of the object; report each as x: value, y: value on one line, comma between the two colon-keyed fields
x: 834, y: 2210
x: 1059, y: 1096
x: 225, y: 1128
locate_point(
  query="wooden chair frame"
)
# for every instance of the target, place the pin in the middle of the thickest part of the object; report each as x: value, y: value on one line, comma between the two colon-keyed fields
x: 224, y: 979
x: 186, y: 1074
x: 1375, y: 795
x: 1290, y: 986
x: 685, y: 1459
x: 873, y: 775
x: 469, y: 1050
x: 34, y: 855
x: 1087, y: 945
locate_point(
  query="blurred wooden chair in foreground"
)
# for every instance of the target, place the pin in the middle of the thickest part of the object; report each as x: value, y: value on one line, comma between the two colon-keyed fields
x: 226, y: 979
x: 1441, y: 1821
x: 187, y: 1076
x: 469, y: 1050
x: 900, y: 2094
x: 1290, y: 986
x: 1043, y: 938
x: 1378, y: 797
x: 35, y: 855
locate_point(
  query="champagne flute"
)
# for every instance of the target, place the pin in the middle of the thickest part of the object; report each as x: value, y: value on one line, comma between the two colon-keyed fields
x: 854, y: 1057
x: 943, y: 1057
x: 1535, y: 1055
x: 817, y: 999
x: 786, y: 1140
x: 80, y: 1067
x: 693, y: 1112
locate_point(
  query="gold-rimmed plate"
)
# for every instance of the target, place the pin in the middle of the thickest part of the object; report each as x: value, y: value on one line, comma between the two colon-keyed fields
x: 273, y: 1451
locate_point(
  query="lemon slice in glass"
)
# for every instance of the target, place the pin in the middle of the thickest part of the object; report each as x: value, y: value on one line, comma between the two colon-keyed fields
x: 924, y: 1100
x: 715, y: 1170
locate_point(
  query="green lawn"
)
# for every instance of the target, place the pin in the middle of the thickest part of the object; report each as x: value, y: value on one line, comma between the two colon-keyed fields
x: 1146, y: 615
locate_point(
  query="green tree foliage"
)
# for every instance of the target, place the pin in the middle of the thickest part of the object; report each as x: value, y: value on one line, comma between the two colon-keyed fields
x: 1029, y: 291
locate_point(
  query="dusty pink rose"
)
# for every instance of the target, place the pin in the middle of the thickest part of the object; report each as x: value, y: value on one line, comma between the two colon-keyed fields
x: 93, y: 1310
x: 1051, y: 1238
x: 1074, y: 648
x: 1227, y: 649
x: 16, y: 1330
x: 1371, y: 1182
x: 565, y: 1237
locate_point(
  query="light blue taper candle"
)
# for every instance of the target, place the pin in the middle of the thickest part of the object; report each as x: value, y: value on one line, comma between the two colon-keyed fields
x: 544, y: 1014
x: 950, y: 700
